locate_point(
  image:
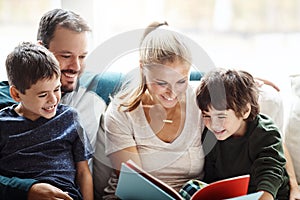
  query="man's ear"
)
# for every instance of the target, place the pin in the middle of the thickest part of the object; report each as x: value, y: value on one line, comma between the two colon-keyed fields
x: 15, y: 93
x: 141, y: 64
x: 247, y: 112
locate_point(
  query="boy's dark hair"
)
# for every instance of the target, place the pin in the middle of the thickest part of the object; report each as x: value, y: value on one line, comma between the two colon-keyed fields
x: 228, y: 89
x: 59, y: 17
x: 29, y: 63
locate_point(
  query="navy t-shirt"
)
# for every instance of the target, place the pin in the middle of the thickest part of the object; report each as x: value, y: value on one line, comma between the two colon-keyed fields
x: 44, y: 149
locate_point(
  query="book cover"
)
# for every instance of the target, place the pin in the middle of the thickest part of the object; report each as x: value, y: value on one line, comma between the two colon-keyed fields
x: 224, y: 189
x: 136, y: 184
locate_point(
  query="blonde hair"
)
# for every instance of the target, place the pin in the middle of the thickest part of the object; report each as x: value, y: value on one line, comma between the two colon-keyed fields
x: 159, y: 45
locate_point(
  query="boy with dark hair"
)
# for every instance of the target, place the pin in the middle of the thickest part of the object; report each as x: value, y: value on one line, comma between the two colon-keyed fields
x: 41, y: 139
x: 247, y: 142
x: 66, y: 35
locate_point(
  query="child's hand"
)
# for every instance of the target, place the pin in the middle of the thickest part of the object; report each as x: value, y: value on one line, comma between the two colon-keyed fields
x: 45, y: 191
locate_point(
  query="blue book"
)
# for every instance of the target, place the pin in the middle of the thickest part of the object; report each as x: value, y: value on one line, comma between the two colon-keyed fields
x: 136, y: 184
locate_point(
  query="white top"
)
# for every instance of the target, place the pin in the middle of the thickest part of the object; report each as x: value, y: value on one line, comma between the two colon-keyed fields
x: 174, y: 163
x: 90, y: 107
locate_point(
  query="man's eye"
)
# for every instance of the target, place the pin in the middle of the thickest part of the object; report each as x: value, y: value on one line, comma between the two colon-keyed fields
x: 65, y: 56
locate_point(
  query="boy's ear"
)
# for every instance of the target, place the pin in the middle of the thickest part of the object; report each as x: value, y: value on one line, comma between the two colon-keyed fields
x: 247, y: 111
x: 14, y: 93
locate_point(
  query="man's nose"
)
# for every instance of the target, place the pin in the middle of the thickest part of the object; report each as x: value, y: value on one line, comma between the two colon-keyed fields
x: 76, y: 64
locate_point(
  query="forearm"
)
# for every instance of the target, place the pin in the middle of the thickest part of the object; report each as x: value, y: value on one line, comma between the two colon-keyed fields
x: 85, y: 181
x: 267, y: 82
x: 290, y: 168
x: 130, y: 153
x: 86, y: 187
x: 15, y: 188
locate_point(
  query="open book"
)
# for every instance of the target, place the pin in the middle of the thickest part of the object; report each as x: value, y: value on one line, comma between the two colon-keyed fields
x: 135, y: 183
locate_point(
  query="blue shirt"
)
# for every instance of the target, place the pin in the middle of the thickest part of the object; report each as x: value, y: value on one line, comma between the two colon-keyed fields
x: 44, y: 149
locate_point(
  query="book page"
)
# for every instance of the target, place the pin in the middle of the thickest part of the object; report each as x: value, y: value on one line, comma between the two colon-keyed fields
x: 172, y: 192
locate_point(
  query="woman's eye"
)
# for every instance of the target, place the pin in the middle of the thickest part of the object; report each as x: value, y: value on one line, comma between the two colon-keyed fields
x: 161, y: 83
x: 182, y: 82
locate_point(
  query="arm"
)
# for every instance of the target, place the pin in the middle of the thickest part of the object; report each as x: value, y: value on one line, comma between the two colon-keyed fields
x: 120, y: 143
x: 16, y: 188
x: 123, y: 155
x: 294, y: 189
x: 40, y: 191
x: 268, y: 167
x: 84, y: 180
x: 261, y: 81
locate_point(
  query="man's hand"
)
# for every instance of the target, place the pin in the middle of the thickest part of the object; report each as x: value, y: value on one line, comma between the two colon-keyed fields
x: 260, y: 82
x: 45, y: 191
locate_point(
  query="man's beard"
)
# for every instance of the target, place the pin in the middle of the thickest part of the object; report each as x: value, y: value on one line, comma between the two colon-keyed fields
x: 66, y: 89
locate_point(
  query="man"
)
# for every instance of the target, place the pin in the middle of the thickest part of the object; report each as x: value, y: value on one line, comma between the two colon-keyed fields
x: 65, y: 34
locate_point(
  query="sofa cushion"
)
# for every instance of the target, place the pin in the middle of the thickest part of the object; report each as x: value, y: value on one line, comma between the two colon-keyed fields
x: 271, y: 104
x: 5, y: 99
x: 292, y: 131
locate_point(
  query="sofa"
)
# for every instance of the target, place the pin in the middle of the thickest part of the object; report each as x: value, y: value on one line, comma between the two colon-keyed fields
x: 292, y: 125
x: 109, y: 82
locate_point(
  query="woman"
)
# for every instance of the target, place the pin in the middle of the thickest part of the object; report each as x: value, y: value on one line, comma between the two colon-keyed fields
x: 158, y: 125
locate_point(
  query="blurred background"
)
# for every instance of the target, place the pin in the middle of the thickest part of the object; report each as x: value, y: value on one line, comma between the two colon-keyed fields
x: 260, y: 36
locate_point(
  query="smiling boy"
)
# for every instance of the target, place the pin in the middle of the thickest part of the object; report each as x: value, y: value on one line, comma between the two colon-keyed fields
x: 40, y: 138
x: 248, y: 142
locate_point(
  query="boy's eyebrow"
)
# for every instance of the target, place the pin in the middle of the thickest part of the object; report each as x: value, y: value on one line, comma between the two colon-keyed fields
x: 217, y: 114
x: 222, y: 113
x: 40, y: 92
x: 68, y: 52
x: 204, y: 113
